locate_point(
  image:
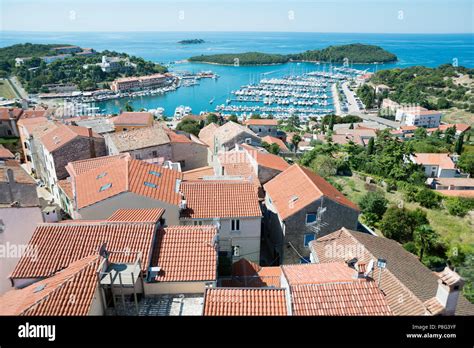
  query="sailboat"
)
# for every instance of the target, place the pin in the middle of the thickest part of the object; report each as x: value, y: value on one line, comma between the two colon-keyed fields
x: 212, y: 100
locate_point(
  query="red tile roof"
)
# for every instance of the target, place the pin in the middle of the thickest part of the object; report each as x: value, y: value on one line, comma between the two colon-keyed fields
x: 124, y: 174
x: 19, y: 174
x: 261, y: 122
x: 55, y: 246
x: 314, y: 273
x: 339, y: 299
x: 248, y: 274
x: 185, y: 253
x: 133, y: 118
x: 10, y: 113
x: 457, y: 193
x: 68, y: 292
x: 297, y: 186
x: 406, y: 282
x: 198, y: 173
x: 272, y: 140
x: 31, y: 123
x: 66, y: 186
x: 31, y: 113
x: 219, y: 199
x: 266, y: 159
x: 63, y: 134
x: 245, y: 302
x: 460, y: 127
x: 5, y: 153
x: 438, y: 159
x: 83, y: 166
x: 137, y: 215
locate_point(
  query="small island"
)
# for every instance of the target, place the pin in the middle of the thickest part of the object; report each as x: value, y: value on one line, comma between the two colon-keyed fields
x: 354, y: 53
x: 191, y: 42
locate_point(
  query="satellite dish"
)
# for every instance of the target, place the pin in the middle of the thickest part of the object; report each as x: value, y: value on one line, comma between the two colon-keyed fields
x: 370, y: 268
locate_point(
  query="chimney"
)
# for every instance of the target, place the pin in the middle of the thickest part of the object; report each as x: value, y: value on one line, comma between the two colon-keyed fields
x: 450, y: 285
x: 91, y: 143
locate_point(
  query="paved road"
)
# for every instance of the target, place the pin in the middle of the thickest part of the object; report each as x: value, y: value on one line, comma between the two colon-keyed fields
x: 352, y: 104
x: 18, y: 88
x: 335, y: 98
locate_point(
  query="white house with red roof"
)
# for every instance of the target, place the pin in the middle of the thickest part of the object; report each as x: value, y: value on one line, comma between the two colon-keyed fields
x: 436, y: 165
x: 418, y: 116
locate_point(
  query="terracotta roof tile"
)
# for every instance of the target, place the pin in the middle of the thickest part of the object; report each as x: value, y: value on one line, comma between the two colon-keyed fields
x: 261, y: 122
x: 198, y: 173
x: 31, y: 113
x: 83, y: 166
x: 266, y: 159
x: 63, y: 134
x: 10, y: 113
x: 124, y: 174
x: 185, y: 253
x: 19, y: 174
x: 137, y: 215
x: 300, y: 186
x: 339, y: 299
x: 460, y: 127
x: 5, y: 153
x: 314, y: 273
x: 406, y: 281
x: 272, y: 140
x: 248, y: 274
x: 218, y: 199
x: 457, y: 193
x: 66, y: 186
x: 139, y: 138
x: 55, y: 246
x: 78, y: 281
x: 245, y: 302
x: 133, y: 118
x: 31, y: 123
x: 439, y: 159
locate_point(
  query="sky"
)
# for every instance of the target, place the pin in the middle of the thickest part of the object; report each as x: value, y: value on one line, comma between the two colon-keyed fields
x: 349, y: 16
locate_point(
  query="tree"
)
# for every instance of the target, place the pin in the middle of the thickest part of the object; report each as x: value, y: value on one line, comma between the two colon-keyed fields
x: 466, y: 163
x: 324, y: 166
x: 233, y: 118
x: 331, y: 123
x: 212, y: 118
x: 255, y: 117
x: 425, y: 238
x: 459, y: 144
x: 443, y: 103
x: 420, y: 133
x: 293, y: 123
x: 400, y: 223
x: 295, y: 141
x: 374, y: 203
x: 427, y: 198
x: 370, y: 146
x: 272, y: 148
x: 128, y: 107
x: 189, y: 126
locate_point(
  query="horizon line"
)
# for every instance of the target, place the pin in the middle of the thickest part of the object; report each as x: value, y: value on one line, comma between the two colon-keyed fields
x: 234, y: 31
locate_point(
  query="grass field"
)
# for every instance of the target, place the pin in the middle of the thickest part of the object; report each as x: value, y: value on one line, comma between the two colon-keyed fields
x: 455, y: 115
x: 452, y: 228
x: 6, y: 90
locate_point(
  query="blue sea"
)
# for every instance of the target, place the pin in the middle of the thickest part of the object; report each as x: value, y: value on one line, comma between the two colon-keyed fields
x: 162, y: 47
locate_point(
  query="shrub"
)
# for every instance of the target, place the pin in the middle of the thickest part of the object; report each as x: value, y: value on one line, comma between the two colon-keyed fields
x: 427, y: 198
x: 375, y: 203
x: 458, y: 206
x: 434, y: 263
x: 411, y: 247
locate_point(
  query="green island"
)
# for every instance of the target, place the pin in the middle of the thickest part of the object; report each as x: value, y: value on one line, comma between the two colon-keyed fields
x: 355, y: 53
x: 191, y: 41
x: 36, y: 73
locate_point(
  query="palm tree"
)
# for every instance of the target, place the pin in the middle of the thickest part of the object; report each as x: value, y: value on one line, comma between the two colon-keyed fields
x: 295, y: 141
x: 425, y: 237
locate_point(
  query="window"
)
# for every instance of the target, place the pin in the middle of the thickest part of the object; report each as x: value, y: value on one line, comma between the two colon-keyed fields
x: 154, y: 154
x: 310, y: 218
x: 105, y: 187
x: 150, y: 184
x: 155, y: 173
x: 248, y: 141
x: 198, y: 223
x: 235, y: 250
x: 235, y: 225
x: 137, y: 156
x: 101, y: 175
x: 308, y: 238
